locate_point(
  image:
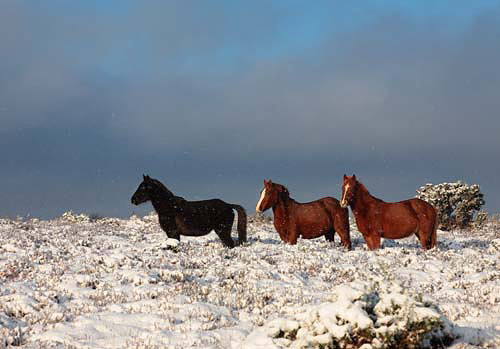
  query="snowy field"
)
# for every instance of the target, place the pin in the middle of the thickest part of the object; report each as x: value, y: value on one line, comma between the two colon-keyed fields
x: 112, y: 283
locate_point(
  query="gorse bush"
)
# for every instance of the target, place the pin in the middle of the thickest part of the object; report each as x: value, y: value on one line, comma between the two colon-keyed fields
x: 260, y: 218
x: 72, y: 217
x: 457, y: 203
x: 381, y: 315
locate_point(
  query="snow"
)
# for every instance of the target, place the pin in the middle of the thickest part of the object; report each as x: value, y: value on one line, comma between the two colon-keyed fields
x: 120, y: 283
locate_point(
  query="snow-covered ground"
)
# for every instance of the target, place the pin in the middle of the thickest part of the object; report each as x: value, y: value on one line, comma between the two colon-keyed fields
x: 113, y: 283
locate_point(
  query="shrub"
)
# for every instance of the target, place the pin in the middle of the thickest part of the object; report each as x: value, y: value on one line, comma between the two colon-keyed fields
x: 380, y: 315
x: 260, y: 218
x: 71, y: 217
x: 457, y: 203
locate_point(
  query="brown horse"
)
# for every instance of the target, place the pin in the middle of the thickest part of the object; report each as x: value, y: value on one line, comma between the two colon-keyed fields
x: 191, y: 218
x: 391, y: 220
x: 309, y: 220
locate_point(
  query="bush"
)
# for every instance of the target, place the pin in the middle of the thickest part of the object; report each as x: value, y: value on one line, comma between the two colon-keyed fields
x: 380, y: 315
x: 71, y: 217
x: 260, y: 218
x: 457, y: 203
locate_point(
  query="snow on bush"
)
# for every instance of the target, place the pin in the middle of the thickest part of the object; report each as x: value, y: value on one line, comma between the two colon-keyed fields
x: 260, y: 218
x: 71, y: 217
x: 360, y: 316
x: 456, y: 203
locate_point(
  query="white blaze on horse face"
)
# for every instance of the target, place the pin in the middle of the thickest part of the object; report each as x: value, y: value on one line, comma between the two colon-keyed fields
x: 262, y: 196
x: 343, y: 202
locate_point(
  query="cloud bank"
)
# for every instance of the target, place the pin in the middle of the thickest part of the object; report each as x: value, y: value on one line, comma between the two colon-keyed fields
x: 213, y: 98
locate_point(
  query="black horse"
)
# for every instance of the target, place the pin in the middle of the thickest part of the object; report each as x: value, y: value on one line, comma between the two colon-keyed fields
x: 178, y: 216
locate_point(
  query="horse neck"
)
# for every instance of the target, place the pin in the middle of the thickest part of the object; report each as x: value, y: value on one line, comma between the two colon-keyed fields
x: 283, y: 205
x: 162, y: 202
x: 361, y: 199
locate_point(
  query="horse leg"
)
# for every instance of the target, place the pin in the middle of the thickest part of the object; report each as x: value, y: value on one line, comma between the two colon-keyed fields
x: 427, y: 234
x: 341, y: 225
x: 345, y: 240
x: 170, y: 229
x: 329, y: 236
x: 424, y: 232
x: 283, y: 236
x: 173, y: 234
x: 433, y: 241
x: 293, y: 234
x: 424, y: 235
x: 224, y: 233
x: 282, y: 231
x: 372, y: 241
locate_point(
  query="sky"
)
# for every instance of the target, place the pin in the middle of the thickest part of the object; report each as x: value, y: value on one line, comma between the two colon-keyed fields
x: 213, y: 97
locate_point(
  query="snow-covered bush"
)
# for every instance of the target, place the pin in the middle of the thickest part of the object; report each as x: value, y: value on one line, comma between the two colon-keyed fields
x: 360, y: 316
x: 71, y: 217
x: 260, y: 218
x: 456, y: 203
x: 151, y: 217
x: 10, y: 336
x: 481, y: 219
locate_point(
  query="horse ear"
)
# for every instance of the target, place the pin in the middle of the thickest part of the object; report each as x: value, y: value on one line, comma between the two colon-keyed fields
x: 144, y: 177
x: 345, y: 177
x: 353, y: 176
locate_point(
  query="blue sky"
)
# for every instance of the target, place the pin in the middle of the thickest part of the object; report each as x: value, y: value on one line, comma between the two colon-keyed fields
x: 213, y: 97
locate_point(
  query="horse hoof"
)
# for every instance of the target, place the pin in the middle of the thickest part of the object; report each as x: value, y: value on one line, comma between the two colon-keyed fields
x: 171, y: 245
x: 171, y: 248
x: 172, y: 242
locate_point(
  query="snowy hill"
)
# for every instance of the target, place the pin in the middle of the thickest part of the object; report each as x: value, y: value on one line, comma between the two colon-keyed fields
x: 113, y: 283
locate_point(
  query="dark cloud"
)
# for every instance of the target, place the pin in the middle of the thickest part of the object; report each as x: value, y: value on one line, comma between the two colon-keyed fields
x: 214, y: 98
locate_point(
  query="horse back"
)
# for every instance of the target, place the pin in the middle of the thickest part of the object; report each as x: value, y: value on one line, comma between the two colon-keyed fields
x: 203, y: 215
x: 321, y: 206
x: 331, y: 203
x: 315, y: 218
x: 326, y: 201
x: 423, y: 209
x: 405, y: 217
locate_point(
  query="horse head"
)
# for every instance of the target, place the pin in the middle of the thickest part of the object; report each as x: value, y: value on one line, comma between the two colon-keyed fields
x: 270, y: 194
x: 149, y: 189
x: 349, y: 186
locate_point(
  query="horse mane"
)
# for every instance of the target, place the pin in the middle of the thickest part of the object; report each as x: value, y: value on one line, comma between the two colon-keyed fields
x: 282, y: 189
x: 162, y: 188
x: 363, y: 188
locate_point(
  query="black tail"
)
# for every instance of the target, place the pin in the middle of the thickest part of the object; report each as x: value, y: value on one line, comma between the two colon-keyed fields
x: 242, y: 223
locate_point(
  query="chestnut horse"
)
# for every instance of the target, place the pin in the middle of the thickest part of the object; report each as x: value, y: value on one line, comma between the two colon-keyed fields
x: 191, y: 218
x: 309, y: 220
x: 391, y: 220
